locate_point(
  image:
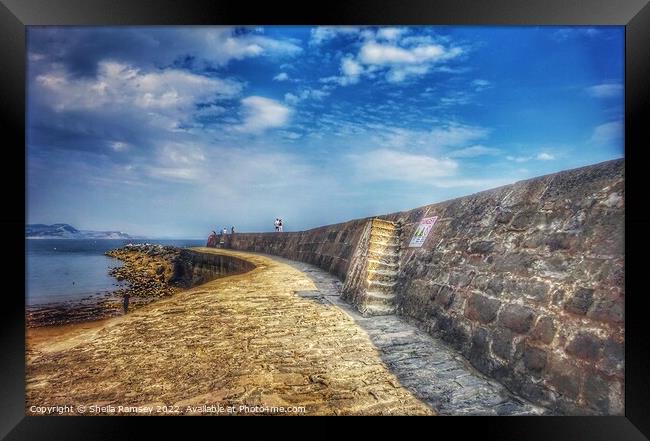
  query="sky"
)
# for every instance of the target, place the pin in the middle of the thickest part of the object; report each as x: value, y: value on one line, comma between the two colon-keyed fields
x: 178, y: 131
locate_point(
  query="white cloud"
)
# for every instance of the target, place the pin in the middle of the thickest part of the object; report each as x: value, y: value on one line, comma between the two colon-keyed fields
x: 323, y: 33
x: 574, y: 31
x: 121, y: 87
x: 386, y: 54
x: 351, y: 68
x: 453, y: 135
x: 178, y: 161
x: 291, y: 98
x: 480, y: 84
x: 390, y: 56
x: 390, y: 34
x: 474, y: 151
x: 263, y: 113
x: 518, y: 159
x: 609, y: 132
x: 223, y: 44
x: 384, y: 164
x: 317, y: 94
x: 210, y: 111
x: 119, y: 146
x: 545, y: 156
x: 282, y: 76
x: 606, y: 90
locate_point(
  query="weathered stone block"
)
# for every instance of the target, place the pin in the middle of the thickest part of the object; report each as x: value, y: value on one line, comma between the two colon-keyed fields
x: 481, y: 247
x: 608, y: 311
x: 517, y: 263
x: 445, y: 296
x: 478, y: 353
x: 481, y: 308
x: 536, y: 290
x: 565, y: 378
x: 544, y: 330
x: 517, y: 318
x: 534, y: 359
x: 502, y: 340
x: 596, y: 391
x: 494, y: 286
x: 585, y: 345
x: 560, y: 241
x: 504, y: 216
x: 580, y: 302
x: 558, y: 297
x: 613, y: 357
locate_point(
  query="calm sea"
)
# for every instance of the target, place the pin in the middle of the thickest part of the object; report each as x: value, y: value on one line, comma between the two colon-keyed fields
x: 60, y: 270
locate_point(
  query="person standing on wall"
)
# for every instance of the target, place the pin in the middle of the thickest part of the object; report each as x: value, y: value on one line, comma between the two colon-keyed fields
x: 276, y: 224
x: 232, y: 230
x: 280, y: 225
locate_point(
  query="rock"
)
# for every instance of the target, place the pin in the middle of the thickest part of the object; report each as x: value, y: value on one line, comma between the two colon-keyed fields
x: 585, y: 345
x: 560, y: 241
x: 596, y: 392
x: 535, y: 359
x: 580, y: 302
x: 502, y: 343
x: 565, y: 378
x: 481, y: 308
x: 544, y: 330
x: 608, y: 310
x: 524, y: 219
x: 613, y: 357
x: 517, y: 318
x: 481, y: 247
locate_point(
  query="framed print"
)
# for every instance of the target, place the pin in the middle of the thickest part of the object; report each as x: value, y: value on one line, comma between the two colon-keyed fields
x: 361, y: 209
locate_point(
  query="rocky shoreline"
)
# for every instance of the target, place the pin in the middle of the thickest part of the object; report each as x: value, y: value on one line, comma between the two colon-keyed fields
x: 151, y: 273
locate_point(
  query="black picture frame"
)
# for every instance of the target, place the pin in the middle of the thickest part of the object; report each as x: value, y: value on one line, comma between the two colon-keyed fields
x: 15, y: 15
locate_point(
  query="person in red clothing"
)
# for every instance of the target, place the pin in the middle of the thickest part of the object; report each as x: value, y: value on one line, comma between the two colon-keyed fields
x: 212, y: 240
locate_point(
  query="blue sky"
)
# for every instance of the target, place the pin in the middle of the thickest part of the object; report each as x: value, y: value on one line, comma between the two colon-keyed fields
x: 176, y: 131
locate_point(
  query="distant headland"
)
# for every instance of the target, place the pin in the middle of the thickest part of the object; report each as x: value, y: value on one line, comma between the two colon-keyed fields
x: 66, y: 231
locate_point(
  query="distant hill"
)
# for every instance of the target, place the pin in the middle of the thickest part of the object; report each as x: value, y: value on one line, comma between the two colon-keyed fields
x: 65, y: 231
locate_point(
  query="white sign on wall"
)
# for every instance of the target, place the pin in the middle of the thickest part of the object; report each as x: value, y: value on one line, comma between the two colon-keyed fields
x: 422, y: 231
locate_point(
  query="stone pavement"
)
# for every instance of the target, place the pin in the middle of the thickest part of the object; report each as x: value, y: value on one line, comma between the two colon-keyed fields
x: 277, y: 337
x: 244, y: 340
x: 425, y: 365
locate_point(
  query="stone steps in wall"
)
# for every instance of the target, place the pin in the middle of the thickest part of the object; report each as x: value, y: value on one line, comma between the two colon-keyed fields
x: 381, y: 256
x: 378, y: 309
x: 374, y: 297
x: 380, y: 286
x: 377, y: 221
x: 384, y: 230
x: 392, y: 241
x: 382, y: 275
x: 378, y: 264
x: 386, y: 249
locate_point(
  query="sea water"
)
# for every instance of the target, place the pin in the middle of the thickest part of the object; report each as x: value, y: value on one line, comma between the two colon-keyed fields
x: 62, y: 270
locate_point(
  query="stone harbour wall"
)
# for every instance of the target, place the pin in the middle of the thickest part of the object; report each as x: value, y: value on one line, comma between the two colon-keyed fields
x: 330, y: 247
x: 191, y: 267
x: 525, y: 280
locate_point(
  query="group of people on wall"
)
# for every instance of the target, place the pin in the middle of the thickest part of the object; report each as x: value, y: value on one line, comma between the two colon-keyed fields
x: 215, y: 239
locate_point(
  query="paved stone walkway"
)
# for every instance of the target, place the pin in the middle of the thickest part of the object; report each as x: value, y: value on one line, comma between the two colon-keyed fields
x: 276, y: 337
x: 425, y: 365
x: 244, y: 340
